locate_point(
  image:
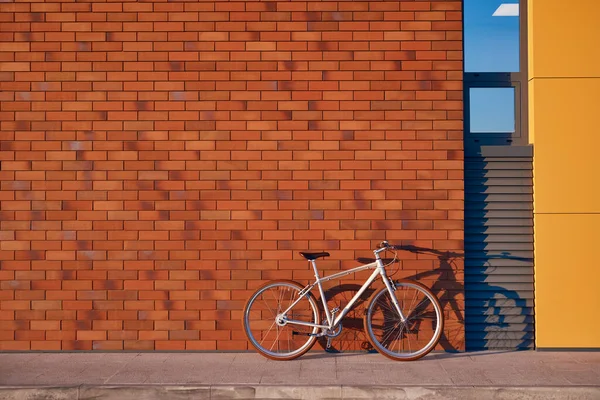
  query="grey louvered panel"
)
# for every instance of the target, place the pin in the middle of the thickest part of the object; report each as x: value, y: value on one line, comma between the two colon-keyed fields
x: 498, y: 174
x: 498, y: 182
x: 516, y: 312
x: 497, y: 319
x: 501, y: 340
x: 491, y: 164
x: 499, y: 246
x: 499, y: 190
x: 511, y: 222
x: 498, y: 255
x: 482, y: 215
x: 501, y: 230
x: 489, y: 260
x: 502, y: 302
x: 501, y: 197
x: 499, y: 262
x: 499, y: 328
x: 499, y: 282
x: 488, y: 205
x: 487, y: 151
x: 499, y: 279
x: 525, y: 344
x: 496, y: 238
x: 508, y: 288
x: 507, y: 296
x: 502, y: 337
x: 497, y: 159
x: 491, y: 270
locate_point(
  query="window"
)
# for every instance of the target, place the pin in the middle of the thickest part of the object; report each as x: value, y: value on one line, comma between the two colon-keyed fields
x: 492, y: 110
x: 495, y: 79
x: 491, y: 35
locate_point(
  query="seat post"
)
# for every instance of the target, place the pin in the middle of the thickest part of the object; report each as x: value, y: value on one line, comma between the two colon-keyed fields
x: 314, y: 265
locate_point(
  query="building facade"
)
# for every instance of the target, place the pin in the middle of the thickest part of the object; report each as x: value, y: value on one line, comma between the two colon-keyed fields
x: 161, y: 160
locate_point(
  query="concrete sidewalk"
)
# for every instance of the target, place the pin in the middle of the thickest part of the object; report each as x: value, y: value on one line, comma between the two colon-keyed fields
x: 480, y: 375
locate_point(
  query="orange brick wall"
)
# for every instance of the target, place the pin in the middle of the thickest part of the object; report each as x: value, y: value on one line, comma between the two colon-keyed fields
x: 161, y: 159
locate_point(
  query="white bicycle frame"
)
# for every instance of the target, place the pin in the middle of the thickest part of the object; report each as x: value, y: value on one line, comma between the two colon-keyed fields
x: 332, y: 323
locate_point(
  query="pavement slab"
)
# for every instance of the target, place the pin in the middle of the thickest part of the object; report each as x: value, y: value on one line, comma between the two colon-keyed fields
x: 317, y: 375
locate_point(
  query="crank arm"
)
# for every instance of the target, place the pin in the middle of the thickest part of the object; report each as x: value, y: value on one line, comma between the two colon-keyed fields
x: 306, y: 334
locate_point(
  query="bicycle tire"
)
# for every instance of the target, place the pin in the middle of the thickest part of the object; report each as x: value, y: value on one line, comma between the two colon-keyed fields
x: 386, y: 313
x: 253, y: 326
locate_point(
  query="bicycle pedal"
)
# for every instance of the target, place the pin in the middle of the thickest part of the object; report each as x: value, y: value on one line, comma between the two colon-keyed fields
x: 328, y: 343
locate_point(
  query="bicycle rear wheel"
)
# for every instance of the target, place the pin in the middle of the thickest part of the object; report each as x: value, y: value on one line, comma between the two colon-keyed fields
x: 409, y: 340
x: 272, y: 340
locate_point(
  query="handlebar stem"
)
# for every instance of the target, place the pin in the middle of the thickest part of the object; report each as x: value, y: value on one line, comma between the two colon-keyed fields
x: 376, y: 252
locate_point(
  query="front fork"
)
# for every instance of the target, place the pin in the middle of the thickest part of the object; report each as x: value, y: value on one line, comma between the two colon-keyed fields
x: 391, y: 287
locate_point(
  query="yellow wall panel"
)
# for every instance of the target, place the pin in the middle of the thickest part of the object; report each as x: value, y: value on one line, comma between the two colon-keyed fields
x: 565, y: 37
x: 567, y: 297
x: 566, y: 114
x: 564, y: 127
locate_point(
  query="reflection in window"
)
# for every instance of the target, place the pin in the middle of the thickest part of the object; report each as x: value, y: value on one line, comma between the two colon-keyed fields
x: 491, y: 35
x: 492, y: 110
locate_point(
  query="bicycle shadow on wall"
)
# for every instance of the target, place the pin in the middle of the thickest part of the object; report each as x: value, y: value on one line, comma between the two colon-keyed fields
x: 500, y: 315
x: 445, y: 284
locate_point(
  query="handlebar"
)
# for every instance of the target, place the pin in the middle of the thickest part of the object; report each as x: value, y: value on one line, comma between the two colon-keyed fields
x: 385, y: 246
x: 382, y: 246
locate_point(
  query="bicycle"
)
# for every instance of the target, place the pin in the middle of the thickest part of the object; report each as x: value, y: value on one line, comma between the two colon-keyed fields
x: 285, y: 314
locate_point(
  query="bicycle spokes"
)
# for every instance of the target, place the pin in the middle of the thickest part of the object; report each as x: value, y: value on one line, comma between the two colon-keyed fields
x: 407, y: 339
x: 268, y: 329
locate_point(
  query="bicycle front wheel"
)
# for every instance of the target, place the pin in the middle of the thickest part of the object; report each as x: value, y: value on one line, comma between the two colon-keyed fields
x: 417, y: 335
x: 272, y: 339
